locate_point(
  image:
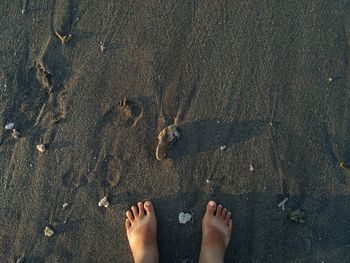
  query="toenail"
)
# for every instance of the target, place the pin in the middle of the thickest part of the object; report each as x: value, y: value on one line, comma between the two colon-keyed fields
x: 212, y: 203
x: 148, y: 203
x: 139, y: 204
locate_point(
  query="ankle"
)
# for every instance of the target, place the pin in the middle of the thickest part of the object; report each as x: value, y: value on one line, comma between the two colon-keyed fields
x: 149, y: 255
x: 211, y: 254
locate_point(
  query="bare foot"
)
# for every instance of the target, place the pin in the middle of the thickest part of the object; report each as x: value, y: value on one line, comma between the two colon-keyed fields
x: 216, y: 228
x: 141, y: 229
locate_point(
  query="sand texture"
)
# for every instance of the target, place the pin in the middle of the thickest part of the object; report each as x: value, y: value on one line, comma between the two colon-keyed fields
x: 97, y: 81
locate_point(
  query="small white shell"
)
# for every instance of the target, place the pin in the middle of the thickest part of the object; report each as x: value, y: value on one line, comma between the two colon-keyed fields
x: 9, y: 126
x: 251, y: 168
x: 64, y: 206
x: 184, y: 218
x: 104, y: 202
x: 330, y: 79
x: 48, y: 232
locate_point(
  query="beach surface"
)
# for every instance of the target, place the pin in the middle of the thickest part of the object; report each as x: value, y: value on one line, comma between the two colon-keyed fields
x: 259, y: 92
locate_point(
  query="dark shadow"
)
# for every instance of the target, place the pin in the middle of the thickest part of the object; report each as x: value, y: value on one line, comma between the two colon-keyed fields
x: 60, y: 145
x: 329, y: 149
x: 69, y: 226
x: 209, y: 135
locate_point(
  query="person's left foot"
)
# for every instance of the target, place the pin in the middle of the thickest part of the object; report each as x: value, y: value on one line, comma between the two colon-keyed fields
x: 141, y: 229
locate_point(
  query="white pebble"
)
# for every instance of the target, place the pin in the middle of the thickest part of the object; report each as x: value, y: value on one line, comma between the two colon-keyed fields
x: 330, y: 79
x: 223, y: 147
x: 184, y: 218
x: 208, y: 181
x: 251, y: 168
x: 9, y: 126
x: 64, y: 206
x: 104, y: 202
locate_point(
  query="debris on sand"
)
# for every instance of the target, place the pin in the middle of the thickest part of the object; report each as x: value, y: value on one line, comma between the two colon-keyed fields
x: 62, y: 38
x: 222, y: 148
x: 184, y: 218
x: 15, y: 134
x: 283, y: 203
x: 9, y: 126
x: 104, y: 202
x: 330, y: 79
x: 251, y: 168
x: 41, y: 148
x: 102, y: 47
x: 297, y: 215
x: 343, y: 165
x: 166, y: 137
x: 65, y: 205
x: 24, y: 7
x: 48, y: 232
x: 21, y: 259
x: 207, y: 181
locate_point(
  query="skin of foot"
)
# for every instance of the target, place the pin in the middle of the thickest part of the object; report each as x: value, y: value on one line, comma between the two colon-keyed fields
x: 141, y: 230
x: 216, y: 233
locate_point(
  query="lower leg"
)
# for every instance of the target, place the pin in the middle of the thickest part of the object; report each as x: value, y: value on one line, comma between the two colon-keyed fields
x: 216, y: 228
x: 141, y: 229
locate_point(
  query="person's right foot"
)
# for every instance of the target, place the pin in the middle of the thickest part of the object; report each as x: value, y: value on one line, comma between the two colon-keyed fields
x: 141, y: 229
x: 216, y: 228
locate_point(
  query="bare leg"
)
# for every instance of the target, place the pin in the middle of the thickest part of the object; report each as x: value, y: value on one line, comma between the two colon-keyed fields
x: 141, y: 229
x: 216, y: 228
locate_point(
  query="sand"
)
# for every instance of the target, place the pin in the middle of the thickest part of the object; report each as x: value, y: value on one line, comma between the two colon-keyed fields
x: 249, y: 75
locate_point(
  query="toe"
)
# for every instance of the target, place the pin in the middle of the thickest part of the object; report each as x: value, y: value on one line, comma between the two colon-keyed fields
x: 141, y: 209
x: 219, y: 211
x: 211, y: 207
x: 230, y: 225
x: 228, y: 217
x: 127, y: 224
x: 130, y: 216
x: 224, y: 212
x: 149, y: 208
x: 135, y: 211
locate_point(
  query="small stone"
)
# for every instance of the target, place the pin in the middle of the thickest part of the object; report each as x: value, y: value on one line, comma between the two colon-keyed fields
x: 251, y: 168
x: 48, y: 232
x: 104, y: 202
x: 15, y: 134
x: 222, y: 148
x: 330, y: 79
x: 9, y: 126
x: 65, y: 205
x: 208, y: 181
x: 184, y: 218
x: 41, y: 148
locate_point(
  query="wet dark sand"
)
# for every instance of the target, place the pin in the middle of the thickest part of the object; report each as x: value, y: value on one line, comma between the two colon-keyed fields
x: 223, y: 70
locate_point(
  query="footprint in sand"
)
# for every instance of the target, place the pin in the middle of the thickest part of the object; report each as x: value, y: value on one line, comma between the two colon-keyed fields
x: 166, y: 137
x: 131, y: 110
x: 43, y: 76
